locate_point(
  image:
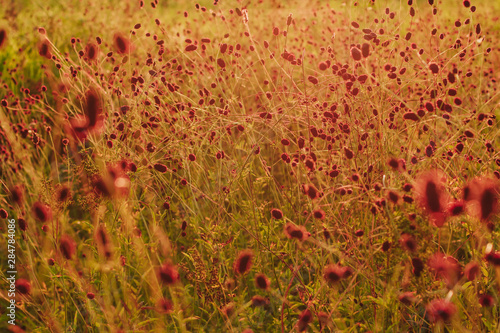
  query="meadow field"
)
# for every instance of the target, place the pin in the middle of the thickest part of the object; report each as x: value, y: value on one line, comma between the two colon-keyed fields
x: 249, y: 166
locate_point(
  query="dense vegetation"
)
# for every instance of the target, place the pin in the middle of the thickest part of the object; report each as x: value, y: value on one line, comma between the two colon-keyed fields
x: 265, y: 166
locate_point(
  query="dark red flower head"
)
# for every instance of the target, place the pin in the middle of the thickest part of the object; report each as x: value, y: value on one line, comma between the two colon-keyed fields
x: 319, y: 214
x: 418, y: 266
x: 486, y: 300
x: 243, y: 262
x: 276, y: 214
x: 333, y: 273
x: 42, y: 212
x: 78, y: 127
x: 311, y: 191
x: 407, y: 298
x: 228, y: 309
x: 481, y: 196
x: 23, y: 225
x: 472, y: 270
x: 297, y: 232
x: 160, y: 167
x: 445, y: 267
x: 456, y: 208
x: 492, y: 256
x: 91, y: 51
x: 434, y: 68
x: 432, y: 197
x: 262, y: 281
x: 93, y: 109
x: 441, y: 310
x: 17, y: 194
x: 92, y: 121
x: 67, y: 246
x: 63, y: 194
x: 304, y: 319
x: 164, y: 306
x: 167, y: 274
x: 122, y: 44
x: 408, y: 242
x: 258, y: 300
x: 3, y: 37
x: 45, y: 49
x: 23, y: 286
x: 356, y: 53
x: 103, y: 241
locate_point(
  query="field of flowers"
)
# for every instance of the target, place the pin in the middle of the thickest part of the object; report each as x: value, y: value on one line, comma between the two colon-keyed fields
x: 250, y: 166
